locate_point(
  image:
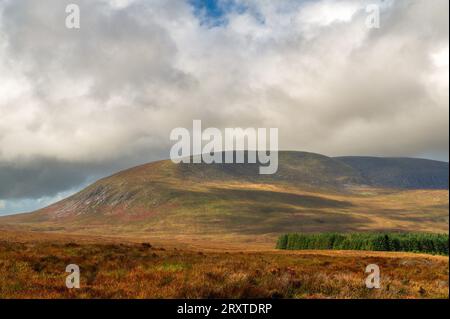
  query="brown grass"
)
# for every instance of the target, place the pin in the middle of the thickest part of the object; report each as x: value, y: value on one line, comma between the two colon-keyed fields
x: 33, y: 265
x: 255, y: 211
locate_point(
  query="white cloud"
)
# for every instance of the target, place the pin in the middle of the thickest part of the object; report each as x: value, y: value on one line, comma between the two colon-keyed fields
x: 441, y: 57
x: 323, y: 13
x: 136, y: 69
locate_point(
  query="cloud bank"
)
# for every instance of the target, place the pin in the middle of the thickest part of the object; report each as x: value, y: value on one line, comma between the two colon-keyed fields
x: 77, y: 104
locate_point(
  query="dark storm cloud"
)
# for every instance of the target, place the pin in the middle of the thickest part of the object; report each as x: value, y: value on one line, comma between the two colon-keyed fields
x: 40, y: 178
x: 45, y: 177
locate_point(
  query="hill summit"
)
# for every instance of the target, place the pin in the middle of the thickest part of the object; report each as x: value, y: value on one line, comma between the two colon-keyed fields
x: 310, y: 192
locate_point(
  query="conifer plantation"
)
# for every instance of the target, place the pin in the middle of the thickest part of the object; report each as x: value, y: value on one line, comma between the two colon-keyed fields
x: 406, y: 242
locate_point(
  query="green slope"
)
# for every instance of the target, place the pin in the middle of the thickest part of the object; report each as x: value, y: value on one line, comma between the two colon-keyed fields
x: 310, y: 192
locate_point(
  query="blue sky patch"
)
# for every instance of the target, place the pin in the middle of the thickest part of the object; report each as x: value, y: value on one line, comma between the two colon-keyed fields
x: 213, y: 13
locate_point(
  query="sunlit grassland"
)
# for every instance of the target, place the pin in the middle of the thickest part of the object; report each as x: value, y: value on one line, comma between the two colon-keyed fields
x: 33, y: 265
x: 226, y: 208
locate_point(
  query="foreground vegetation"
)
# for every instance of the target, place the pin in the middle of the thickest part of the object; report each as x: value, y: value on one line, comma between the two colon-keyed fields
x: 407, y: 242
x: 34, y: 267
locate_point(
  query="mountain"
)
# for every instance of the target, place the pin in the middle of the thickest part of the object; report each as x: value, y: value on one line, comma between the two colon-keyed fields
x: 412, y: 173
x: 310, y: 192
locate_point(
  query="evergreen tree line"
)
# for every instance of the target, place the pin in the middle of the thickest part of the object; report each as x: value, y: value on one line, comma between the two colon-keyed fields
x: 408, y: 242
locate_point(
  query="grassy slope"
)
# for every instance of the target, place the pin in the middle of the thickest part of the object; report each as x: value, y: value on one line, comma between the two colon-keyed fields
x: 310, y: 193
x: 33, y: 266
x: 213, y: 230
x: 408, y: 173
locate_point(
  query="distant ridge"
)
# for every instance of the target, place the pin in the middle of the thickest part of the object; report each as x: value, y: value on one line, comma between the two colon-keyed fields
x: 409, y: 173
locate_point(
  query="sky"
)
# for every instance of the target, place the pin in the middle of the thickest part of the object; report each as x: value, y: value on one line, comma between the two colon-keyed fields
x: 79, y: 104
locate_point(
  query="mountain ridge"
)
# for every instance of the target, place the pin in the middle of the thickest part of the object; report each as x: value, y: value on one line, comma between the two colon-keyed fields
x: 310, y: 192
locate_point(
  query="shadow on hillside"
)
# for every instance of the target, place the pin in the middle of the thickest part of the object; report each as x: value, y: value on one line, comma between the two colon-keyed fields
x: 252, y: 212
x: 268, y: 197
x: 422, y: 216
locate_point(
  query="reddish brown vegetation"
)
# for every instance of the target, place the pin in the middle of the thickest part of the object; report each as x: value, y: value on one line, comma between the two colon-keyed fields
x: 33, y: 266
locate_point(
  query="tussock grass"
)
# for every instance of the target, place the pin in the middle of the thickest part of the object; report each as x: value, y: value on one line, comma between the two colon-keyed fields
x: 36, y: 269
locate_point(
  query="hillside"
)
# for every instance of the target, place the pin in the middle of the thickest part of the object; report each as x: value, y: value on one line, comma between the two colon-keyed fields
x: 412, y: 173
x: 310, y: 193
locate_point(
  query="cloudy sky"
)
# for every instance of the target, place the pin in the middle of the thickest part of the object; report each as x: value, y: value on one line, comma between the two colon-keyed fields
x: 78, y: 104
